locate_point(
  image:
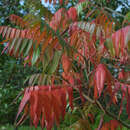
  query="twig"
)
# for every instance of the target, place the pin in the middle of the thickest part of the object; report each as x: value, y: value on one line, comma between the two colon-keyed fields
x: 16, y: 98
x: 101, y: 122
x: 111, y: 115
x: 99, y: 106
x: 88, y: 98
x: 115, y: 12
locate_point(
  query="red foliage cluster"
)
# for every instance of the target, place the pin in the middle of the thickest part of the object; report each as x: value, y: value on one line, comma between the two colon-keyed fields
x: 112, y: 125
x: 46, y: 104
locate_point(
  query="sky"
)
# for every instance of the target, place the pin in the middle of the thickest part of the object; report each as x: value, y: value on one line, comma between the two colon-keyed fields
x: 47, y: 4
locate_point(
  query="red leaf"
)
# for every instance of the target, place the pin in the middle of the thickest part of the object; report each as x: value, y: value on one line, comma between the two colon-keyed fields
x: 122, y: 75
x: 66, y: 63
x: 63, y: 100
x: 111, y: 125
x: 23, y: 32
x: 81, y: 1
x: 80, y: 93
x: 56, y: 103
x: 36, y: 109
x: 12, y: 35
x: 61, y: 2
x: 1, y: 29
x: 24, y: 101
x: 120, y: 39
x: 42, y: 121
x: 68, y: 77
x: 95, y: 91
x: 46, y: 107
x: 128, y: 106
x: 31, y: 101
x: 114, y: 124
x: 72, y: 13
x: 47, y: 104
x: 102, y: 75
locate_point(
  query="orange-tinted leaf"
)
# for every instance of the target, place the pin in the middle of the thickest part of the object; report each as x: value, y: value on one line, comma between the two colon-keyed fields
x: 12, y: 35
x: 8, y: 33
x: 56, y: 103
x: 66, y: 63
x: 1, y: 29
x: 47, y: 104
x: 45, y: 43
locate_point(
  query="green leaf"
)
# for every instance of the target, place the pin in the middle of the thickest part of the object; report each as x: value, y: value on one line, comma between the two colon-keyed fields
x: 51, y: 68
x: 25, y: 41
x: 129, y: 46
x: 17, y: 45
x: 46, y: 59
x: 36, y: 55
x: 109, y: 45
x: 127, y: 16
x: 12, y: 44
x: 81, y: 6
x: 28, y: 47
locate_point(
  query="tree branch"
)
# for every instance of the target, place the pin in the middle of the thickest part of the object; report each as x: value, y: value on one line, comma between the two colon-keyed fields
x: 101, y: 122
x: 99, y: 106
x: 113, y: 11
x: 111, y: 115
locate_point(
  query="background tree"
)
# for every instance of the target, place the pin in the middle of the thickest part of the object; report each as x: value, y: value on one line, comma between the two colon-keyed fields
x: 12, y: 71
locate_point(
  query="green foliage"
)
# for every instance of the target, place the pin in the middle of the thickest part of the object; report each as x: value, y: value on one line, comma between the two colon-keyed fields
x: 12, y: 77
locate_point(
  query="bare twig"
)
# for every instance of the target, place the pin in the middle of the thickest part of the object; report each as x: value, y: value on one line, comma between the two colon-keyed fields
x: 115, y: 12
x: 101, y: 122
x: 13, y: 102
x: 111, y: 115
x: 99, y: 106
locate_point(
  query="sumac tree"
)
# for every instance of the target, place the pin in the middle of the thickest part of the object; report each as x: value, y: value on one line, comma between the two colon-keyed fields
x: 86, y: 56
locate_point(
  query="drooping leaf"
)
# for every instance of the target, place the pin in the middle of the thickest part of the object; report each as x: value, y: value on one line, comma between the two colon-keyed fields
x: 24, y: 44
x: 128, y: 105
x: 36, y: 54
x: 30, y: 43
x: 66, y: 63
x: 46, y: 103
x: 102, y: 75
x: 51, y: 68
x: 24, y: 101
x: 72, y: 13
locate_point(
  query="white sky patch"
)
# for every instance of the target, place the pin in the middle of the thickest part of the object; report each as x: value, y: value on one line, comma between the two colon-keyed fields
x: 119, y: 8
x: 22, y: 2
x: 46, y: 4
